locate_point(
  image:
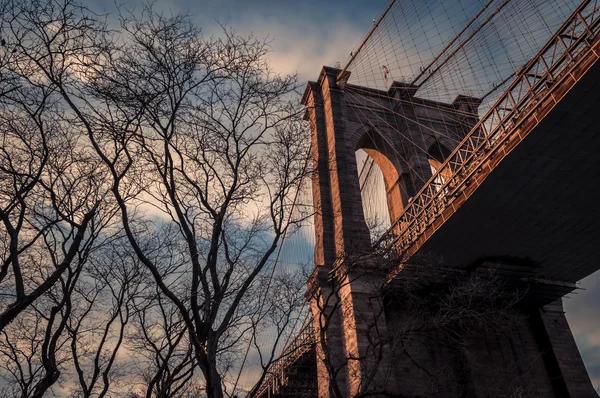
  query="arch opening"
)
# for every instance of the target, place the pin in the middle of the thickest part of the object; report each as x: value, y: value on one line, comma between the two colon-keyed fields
x: 381, y: 185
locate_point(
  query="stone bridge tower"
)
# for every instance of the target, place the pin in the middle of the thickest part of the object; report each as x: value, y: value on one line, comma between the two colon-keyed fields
x: 354, y: 325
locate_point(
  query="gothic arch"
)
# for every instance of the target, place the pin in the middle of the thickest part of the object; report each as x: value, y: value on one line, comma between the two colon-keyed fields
x: 382, y: 153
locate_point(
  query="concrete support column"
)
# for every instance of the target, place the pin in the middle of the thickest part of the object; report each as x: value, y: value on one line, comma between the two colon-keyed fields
x: 350, y: 230
x: 321, y: 191
x: 353, y: 347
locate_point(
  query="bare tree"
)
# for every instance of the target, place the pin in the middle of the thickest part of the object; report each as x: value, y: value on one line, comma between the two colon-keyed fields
x: 166, y: 360
x: 96, y: 327
x: 196, y: 140
x: 278, y: 316
x: 54, y: 205
x: 223, y: 152
x: 52, y: 191
x: 20, y: 348
x: 77, y: 327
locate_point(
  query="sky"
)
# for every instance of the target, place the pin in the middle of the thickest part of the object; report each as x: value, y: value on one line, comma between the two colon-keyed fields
x: 306, y: 34
x: 310, y: 33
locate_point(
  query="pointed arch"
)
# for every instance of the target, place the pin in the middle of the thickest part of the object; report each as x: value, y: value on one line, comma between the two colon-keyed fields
x: 382, y: 154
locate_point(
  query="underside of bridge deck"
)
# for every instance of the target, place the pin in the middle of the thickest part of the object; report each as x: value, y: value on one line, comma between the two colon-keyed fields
x: 539, y: 207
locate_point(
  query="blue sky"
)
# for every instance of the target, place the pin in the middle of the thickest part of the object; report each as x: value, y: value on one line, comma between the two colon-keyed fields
x: 310, y: 33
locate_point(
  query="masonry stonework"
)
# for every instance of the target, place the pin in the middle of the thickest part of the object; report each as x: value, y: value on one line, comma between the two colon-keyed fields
x: 354, y: 324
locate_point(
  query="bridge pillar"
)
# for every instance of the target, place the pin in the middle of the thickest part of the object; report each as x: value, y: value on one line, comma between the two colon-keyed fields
x: 354, y: 354
x: 370, y: 366
x: 532, y: 352
x: 343, y: 307
x: 395, y: 128
x: 328, y: 327
x: 336, y: 188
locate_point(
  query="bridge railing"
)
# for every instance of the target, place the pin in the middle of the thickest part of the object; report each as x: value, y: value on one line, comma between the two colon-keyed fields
x: 532, y: 84
x: 277, y: 376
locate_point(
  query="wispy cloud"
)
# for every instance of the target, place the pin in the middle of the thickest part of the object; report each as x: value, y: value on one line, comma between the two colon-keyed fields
x: 304, y: 52
x: 306, y: 35
x: 298, y: 48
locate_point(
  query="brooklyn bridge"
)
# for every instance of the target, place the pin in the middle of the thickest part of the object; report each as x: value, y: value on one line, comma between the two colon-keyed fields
x: 477, y: 124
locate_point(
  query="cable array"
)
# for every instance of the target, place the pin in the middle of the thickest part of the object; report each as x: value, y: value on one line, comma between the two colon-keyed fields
x: 446, y: 48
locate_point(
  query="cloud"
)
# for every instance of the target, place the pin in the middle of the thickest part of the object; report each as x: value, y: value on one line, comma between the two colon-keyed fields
x: 297, y: 48
x: 305, y: 35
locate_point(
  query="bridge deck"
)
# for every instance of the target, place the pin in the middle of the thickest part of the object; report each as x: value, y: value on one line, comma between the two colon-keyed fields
x: 540, y: 203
